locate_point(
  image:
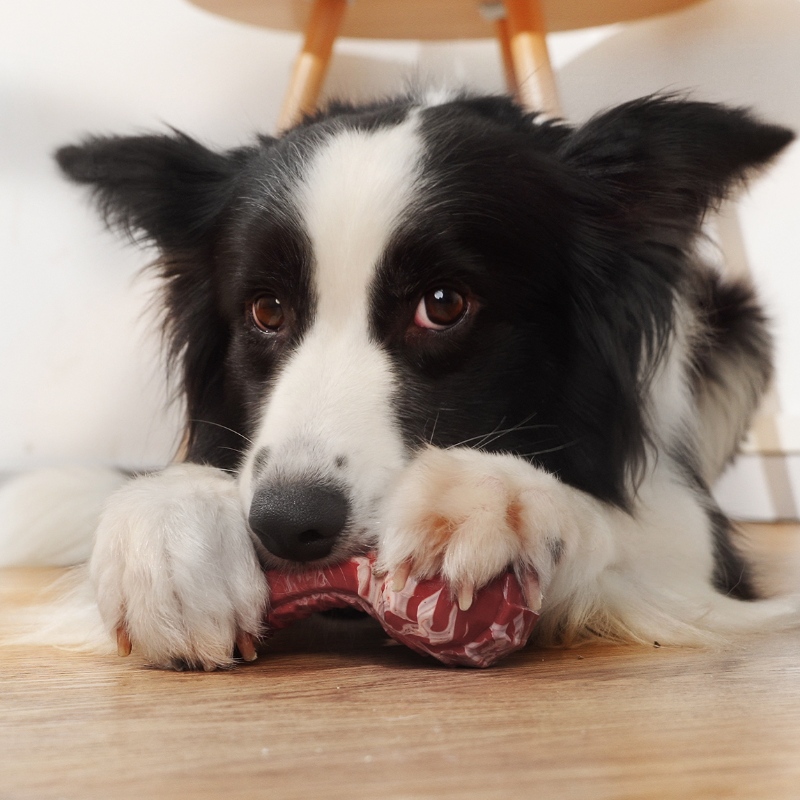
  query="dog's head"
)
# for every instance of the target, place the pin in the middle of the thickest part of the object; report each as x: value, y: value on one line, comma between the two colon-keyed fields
x: 384, y: 278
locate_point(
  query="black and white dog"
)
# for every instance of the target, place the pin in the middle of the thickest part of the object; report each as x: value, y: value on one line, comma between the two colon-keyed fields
x: 454, y: 332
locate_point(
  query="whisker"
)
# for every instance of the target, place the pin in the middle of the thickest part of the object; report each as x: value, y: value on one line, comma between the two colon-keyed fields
x: 233, y: 450
x: 548, y: 450
x: 492, y: 436
x: 433, y: 430
x: 477, y: 438
x: 232, y: 472
x: 224, y: 427
x: 520, y: 427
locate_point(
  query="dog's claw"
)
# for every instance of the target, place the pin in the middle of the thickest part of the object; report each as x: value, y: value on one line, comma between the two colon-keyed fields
x: 400, y: 577
x: 247, y: 649
x: 124, y: 646
x: 533, y: 593
x: 465, y: 596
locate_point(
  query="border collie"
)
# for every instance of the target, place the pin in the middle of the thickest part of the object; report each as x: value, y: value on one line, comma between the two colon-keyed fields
x: 457, y: 333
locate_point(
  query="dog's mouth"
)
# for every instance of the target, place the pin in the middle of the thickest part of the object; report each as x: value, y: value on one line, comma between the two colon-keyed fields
x: 351, y: 544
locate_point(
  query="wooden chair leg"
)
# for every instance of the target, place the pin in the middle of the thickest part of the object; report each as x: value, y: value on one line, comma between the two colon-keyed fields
x: 527, y: 45
x: 495, y: 11
x: 312, y: 62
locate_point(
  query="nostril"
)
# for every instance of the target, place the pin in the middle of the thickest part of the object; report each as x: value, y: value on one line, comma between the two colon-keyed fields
x: 299, y: 521
x: 306, y: 537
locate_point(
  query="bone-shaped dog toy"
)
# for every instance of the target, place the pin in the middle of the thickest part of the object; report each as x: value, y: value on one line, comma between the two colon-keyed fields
x: 423, y: 615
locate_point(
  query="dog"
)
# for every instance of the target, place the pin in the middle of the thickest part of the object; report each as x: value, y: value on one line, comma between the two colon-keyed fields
x: 462, y: 335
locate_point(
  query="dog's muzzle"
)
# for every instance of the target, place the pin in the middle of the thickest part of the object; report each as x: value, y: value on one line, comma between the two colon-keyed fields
x: 299, y: 521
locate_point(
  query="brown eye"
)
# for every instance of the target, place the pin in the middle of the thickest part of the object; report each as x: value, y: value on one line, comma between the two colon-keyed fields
x: 267, y: 313
x: 439, y: 309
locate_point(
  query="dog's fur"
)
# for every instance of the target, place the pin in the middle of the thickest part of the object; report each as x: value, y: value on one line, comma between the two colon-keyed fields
x: 571, y: 419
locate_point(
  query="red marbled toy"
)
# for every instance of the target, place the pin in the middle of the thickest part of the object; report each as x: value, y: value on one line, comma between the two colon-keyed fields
x: 423, y: 615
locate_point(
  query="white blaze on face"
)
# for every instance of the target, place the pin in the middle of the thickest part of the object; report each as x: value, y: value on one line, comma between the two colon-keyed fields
x: 334, y: 397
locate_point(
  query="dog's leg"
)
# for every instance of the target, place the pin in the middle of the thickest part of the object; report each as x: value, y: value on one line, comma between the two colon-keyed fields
x: 469, y: 515
x: 175, y: 571
x: 646, y: 575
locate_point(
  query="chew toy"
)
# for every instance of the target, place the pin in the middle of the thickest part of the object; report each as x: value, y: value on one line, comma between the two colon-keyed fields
x: 423, y: 615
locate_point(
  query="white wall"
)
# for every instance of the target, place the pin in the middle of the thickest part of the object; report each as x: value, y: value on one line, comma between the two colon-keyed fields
x: 80, y: 375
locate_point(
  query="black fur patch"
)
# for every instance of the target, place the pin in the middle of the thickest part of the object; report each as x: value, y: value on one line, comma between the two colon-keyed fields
x: 557, y: 548
x: 572, y: 268
x: 731, y: 573
x: 736, y: 329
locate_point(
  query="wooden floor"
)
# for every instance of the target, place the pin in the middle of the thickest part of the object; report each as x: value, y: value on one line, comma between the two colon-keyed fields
x: 366, y: 720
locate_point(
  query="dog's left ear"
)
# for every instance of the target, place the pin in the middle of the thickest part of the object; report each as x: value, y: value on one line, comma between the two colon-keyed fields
x: 667, y: 161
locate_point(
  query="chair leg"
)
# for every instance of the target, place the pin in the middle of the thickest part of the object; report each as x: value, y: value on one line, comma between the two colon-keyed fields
x: 527, y: 45
x: 312, y: 62
x: 503, y: 37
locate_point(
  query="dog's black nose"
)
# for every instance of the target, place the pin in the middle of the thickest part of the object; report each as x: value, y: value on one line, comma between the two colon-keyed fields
x: 298, y: 522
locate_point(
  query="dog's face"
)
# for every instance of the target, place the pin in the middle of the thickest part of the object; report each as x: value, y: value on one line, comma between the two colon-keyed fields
x: 374, y: 310
x: 385, y: 279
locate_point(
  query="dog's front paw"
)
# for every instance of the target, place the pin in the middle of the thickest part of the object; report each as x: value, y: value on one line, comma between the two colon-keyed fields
x: 469, y: 516
x: 175, y: 571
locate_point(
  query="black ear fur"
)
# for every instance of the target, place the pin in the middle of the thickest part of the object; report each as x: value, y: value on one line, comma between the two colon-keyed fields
x: 171, y: 191
x: 654, y: 167
x: 164, y: 189
x: 667, y: 160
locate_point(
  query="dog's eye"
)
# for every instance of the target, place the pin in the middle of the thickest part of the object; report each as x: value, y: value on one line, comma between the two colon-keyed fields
x: 439, y: 309
x: 267, y: 312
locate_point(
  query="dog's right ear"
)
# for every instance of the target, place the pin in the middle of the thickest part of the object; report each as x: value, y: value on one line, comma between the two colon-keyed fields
x: 172, y: 192
x: 164, y: 189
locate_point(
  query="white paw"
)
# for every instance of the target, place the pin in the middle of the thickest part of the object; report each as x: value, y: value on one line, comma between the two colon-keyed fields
x: 469, y: 516
x: 175, y: 571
